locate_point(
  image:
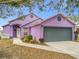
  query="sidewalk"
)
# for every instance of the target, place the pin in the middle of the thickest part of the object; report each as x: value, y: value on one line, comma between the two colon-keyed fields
x: 19, y: 42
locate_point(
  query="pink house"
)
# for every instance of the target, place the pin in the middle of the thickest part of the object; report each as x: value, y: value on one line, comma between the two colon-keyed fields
x: 56, y: 28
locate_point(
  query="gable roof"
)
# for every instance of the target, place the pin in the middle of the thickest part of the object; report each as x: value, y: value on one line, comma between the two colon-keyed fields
x: 5, y: 25
x: 33, y: 23
x: 68, y: 19
x: 40, y: 21
x: 22, y: 17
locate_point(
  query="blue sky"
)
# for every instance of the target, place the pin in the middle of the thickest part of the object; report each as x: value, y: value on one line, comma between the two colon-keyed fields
x: 44, y: 14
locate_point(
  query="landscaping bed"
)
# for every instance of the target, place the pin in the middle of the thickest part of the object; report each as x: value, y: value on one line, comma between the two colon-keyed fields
x: 29, y: 39
x: 10, y: 51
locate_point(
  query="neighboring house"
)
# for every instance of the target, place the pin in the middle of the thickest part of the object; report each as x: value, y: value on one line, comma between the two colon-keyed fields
x: 56, y: 28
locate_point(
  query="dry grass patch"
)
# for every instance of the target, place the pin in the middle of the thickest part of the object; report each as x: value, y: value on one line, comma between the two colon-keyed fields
x: 32, y: 53
x: 21, y: 52
x: 5, y: 42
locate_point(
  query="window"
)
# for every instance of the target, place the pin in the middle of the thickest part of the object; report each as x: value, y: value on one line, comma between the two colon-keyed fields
x: 59, y: 18
x: 25, y: 31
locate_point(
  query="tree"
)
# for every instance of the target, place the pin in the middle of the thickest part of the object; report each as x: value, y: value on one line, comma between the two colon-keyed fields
x: 7, y: 6
x: 67, y: 6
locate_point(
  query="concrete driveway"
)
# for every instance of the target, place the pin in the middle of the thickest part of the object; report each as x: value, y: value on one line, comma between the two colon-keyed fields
x: 68, y: 47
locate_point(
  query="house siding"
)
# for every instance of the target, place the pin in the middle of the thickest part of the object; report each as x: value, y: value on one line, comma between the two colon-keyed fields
x: 38, y: 31
x: 23, y: 31
x: 8, y: 31
x: 55, y: 23
x: 63, y: 23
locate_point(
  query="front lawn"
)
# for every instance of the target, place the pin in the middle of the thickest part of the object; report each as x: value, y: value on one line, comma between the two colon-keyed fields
x: 10, y: 51
x: 5, y: 42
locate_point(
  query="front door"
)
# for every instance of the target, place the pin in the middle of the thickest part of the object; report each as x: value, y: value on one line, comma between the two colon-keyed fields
x: 18, y: 32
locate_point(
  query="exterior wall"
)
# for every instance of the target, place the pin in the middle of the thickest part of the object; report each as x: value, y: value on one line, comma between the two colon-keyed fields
x: 8, y: 31
x: 55, y: 23
x: 36, y: 32
x: 63, y: 23
x: 23, y: 31
x: 28, y: 19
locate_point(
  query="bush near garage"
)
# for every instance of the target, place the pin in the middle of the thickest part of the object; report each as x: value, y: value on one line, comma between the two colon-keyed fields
x: 41, y: 40
x: 28, y: 38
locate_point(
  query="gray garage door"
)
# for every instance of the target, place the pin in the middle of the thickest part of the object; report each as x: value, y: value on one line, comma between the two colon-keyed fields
x: 57, y: 34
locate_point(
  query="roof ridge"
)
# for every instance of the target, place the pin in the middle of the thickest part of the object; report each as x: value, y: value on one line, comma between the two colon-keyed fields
x: 32, y: 21
x: 62, y: 16
x: 24, y: 16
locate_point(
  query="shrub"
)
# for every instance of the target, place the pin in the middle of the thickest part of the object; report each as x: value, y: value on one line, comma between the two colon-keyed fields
x: 27, y: 38
x: 33, y: 41
x: 41, y: 40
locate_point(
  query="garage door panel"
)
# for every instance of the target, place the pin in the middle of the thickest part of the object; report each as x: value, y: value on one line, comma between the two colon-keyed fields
x: 57, y: 34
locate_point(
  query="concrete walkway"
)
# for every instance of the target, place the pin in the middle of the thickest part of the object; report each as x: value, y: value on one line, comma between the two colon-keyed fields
x: 71, y: 48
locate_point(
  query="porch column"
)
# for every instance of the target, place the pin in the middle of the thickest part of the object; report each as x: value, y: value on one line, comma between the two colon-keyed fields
x: 11, y: 32
x: 29, y: 31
